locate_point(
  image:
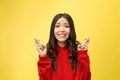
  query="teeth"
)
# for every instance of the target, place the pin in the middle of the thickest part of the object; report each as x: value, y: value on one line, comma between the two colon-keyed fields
x: 61, y: 35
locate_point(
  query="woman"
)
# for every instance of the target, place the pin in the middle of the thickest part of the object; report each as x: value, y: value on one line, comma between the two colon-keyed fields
x: 63, y: 58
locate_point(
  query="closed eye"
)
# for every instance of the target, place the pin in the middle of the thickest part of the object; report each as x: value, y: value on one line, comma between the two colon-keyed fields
x: 57, y: 26
x: 67, y: 26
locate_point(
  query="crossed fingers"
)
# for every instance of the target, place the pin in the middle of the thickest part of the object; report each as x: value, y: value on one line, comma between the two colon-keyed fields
x: 84, y: 46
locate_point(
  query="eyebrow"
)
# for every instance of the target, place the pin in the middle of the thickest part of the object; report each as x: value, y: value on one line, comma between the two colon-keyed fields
x: 64, y: 23
x: 57, y: 23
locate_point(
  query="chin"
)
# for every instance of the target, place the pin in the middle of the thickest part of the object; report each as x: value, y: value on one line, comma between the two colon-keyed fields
x: 62, y: 40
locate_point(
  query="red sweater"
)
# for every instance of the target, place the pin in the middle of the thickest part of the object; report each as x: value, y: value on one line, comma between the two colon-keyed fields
x: 64, y: 72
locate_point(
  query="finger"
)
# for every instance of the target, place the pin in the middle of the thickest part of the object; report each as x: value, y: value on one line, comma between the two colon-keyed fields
x: 86, y: 41
x: 79, y: 47
x: 39, y: 51
x: 41, y: 47
x: 38, y: 44
x: 84, y: 47
x: 37, y: 41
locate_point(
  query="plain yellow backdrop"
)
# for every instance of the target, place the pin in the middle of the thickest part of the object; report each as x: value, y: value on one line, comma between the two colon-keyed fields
x: 23, y: 20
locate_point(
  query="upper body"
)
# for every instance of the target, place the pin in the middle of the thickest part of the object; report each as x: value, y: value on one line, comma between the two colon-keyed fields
x: 63, y: 58
x: 64, y: 70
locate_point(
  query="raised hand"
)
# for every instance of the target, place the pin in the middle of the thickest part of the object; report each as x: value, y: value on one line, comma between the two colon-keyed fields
x: 84, y: 46
x: 42, y: 50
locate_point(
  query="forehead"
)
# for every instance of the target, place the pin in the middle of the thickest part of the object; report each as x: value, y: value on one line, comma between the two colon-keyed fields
x: 62, y: 20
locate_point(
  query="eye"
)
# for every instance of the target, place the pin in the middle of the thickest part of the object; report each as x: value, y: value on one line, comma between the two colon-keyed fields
x: 67, y: 26
x: 56, y: 26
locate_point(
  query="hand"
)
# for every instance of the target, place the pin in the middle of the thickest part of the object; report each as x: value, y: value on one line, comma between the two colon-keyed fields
x: 84, y: 45
x: 42, y: 50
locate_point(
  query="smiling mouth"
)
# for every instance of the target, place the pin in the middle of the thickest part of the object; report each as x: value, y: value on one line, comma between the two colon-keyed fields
x: 61, y: 35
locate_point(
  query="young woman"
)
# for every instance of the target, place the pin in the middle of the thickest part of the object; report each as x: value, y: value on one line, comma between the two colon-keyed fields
x: 63, y: 58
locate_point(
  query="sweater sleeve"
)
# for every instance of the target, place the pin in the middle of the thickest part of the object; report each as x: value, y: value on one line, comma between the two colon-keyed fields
x: 44, y: 68
x: 84, y: 66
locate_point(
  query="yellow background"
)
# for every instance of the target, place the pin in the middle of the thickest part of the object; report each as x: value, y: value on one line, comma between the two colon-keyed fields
x: 23, y: 20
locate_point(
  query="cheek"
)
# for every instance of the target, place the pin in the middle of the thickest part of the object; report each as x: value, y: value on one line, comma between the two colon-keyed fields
x: 68, y: 30
x: 55, y: 30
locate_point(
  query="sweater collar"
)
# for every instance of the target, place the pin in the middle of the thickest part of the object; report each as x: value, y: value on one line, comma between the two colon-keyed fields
x: 64, y: 47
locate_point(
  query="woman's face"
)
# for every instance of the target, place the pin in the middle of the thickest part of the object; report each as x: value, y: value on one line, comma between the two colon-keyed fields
x: 62, y: 30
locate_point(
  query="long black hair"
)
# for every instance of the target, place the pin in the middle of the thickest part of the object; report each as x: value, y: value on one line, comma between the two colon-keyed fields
x: 71, y: 42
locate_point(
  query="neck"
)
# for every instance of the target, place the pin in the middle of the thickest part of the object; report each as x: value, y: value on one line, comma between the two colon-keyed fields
x: 61, y: 44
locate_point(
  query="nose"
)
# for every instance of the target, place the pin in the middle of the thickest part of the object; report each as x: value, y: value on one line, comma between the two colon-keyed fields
x: 61, y: 28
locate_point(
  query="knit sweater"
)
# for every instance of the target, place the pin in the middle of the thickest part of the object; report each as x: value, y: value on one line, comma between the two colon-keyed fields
x: 64, y: 69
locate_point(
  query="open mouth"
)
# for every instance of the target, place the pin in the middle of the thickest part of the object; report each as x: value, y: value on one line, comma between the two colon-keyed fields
x: 61, y: 35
